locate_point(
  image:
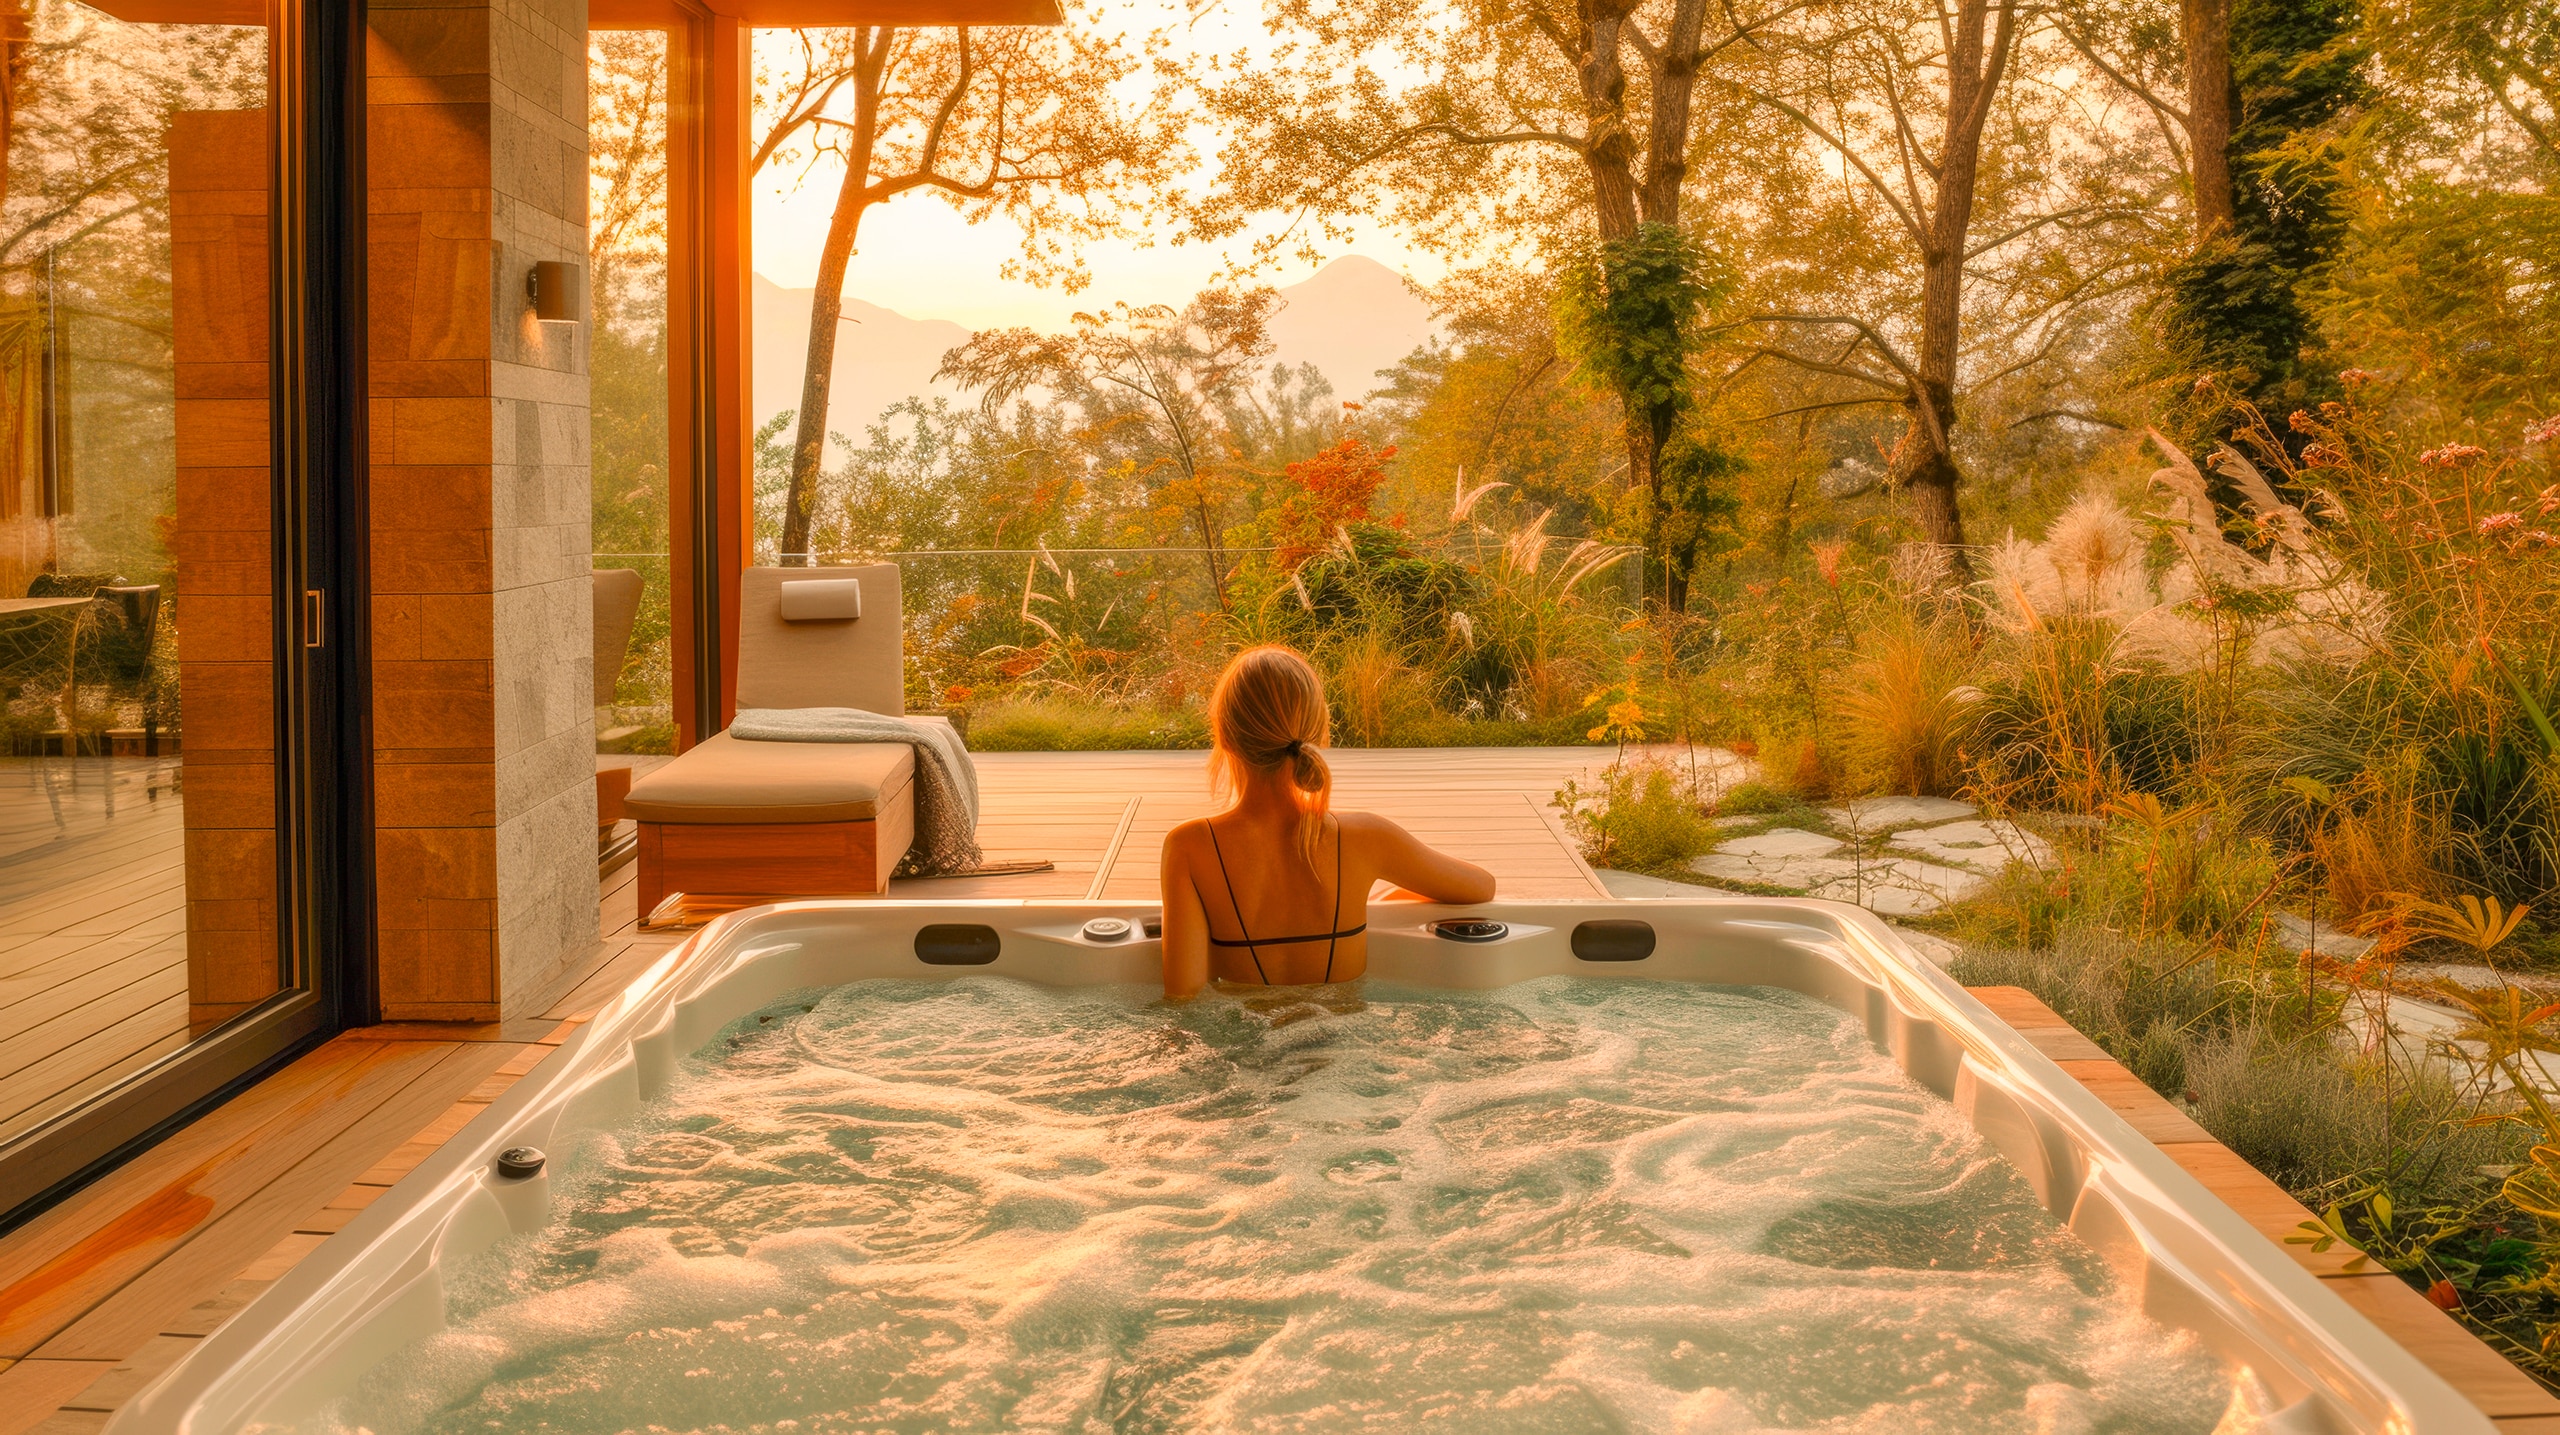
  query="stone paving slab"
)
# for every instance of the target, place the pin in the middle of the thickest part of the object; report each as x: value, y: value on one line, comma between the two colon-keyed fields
x: 1879, y: 814
x: 1984, y: 846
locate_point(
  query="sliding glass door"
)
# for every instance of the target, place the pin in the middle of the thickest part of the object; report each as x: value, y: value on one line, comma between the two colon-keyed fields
x: 174, y: 545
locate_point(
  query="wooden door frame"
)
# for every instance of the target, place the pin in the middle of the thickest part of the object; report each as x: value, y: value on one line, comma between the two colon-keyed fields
x: 710, y: 345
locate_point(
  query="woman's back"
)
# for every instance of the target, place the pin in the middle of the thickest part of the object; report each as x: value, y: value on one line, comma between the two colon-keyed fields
x: 1266, y: 914
x: 1275, y: 890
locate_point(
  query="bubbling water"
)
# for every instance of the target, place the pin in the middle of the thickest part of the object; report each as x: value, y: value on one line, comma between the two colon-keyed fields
x: 1568, y: 1205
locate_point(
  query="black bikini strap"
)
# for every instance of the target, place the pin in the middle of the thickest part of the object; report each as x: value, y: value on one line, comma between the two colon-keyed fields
x: 1225, y: 876
x: 1336, y: 939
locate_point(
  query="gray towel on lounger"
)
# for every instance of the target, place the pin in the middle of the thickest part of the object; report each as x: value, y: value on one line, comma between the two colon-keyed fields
x: 946, y: 780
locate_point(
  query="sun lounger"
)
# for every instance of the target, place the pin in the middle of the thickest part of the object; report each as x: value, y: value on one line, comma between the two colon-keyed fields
x: 731, y: 818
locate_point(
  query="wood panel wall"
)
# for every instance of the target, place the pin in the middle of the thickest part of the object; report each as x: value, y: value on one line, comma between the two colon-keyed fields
x: 224, y: 602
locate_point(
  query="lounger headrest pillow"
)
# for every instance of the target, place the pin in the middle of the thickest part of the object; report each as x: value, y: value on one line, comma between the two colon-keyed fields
x: 821, y: 600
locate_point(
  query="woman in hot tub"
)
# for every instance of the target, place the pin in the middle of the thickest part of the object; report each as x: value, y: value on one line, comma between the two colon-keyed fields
x: 1274, y: 891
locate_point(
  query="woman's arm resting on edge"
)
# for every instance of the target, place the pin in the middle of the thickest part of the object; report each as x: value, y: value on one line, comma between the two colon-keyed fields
x: 1434, y: 876
x: 1186, y: 927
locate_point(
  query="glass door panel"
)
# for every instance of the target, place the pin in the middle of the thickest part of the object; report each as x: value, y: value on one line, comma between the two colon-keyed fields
x: 139, y: 861
x: 627, y: 252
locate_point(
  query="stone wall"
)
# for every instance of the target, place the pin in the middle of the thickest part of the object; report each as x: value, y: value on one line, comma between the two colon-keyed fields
x: 483, y: 608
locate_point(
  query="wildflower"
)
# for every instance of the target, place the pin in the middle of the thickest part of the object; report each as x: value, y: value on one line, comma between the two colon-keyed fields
x: 957, y: 693
x: 2543, y: 432
x: 2353, y: 377
x: 2452, y: 455
x: 2321, y: 455
x: 2497, y: 523
x: 2443, y: 1296
x: 2538, y: 537
x: 1826, y: 561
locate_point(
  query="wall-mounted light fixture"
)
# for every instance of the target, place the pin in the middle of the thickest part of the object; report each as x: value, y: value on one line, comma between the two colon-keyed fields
x: 553, y: 286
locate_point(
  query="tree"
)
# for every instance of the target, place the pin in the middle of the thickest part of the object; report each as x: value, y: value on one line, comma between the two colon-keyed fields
x: 1632, y: 311
x: 1155, y: 390
x: 2269, y: 216
x: 1574, y: 128
x: 1327, y: 492
x: 1024, y: 123
x: 2500, y: 49
x: 1864, y: 93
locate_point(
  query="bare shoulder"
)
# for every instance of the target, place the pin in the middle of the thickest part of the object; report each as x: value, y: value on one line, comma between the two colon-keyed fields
x: 1370, y: 827
x: 1185, y: 836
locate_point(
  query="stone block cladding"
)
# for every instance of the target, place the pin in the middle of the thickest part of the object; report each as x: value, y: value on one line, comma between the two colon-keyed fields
x: 483, y: 609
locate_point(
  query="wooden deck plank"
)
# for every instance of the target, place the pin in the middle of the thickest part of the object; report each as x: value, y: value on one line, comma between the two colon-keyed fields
x: 2485, y: 1378
x: 111, y: 975
x: 31, y: 1390
x: 436, y: 1077
x: 77, y: 1256
x: 99, y: 1058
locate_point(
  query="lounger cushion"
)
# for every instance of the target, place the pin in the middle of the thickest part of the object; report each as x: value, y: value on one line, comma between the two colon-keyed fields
x: 722, y: 779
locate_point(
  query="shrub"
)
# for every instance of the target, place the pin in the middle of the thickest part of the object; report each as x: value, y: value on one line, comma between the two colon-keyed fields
x: 1637, y: 820
x: 1903, y: 707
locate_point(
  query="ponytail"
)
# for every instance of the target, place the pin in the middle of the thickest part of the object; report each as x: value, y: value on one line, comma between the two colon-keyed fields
x: 1268, y: 711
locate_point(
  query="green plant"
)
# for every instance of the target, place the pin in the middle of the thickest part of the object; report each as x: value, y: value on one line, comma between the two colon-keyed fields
x: 1638, y: 819
x: 1060, y: 725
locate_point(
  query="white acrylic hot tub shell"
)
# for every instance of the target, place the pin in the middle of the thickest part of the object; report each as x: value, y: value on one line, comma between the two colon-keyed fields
x: 376, y: 1284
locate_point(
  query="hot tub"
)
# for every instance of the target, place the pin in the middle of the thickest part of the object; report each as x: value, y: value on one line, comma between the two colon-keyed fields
x: 1716, y: 1165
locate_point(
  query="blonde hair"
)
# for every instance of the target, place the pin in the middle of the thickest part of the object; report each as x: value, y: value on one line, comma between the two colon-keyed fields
x: 1268, y: 712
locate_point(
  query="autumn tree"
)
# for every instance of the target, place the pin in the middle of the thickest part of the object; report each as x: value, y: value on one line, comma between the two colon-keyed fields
x: 1326, y: 493
x: 1023, y: 123
x: 1904, y: 94
x: 1153, y: 390
x: 1476, y: 127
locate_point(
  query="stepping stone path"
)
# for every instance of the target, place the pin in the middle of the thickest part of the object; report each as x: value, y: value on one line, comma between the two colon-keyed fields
x: 2294, y: 934
x: 1902, y: 887
x: 1779, y: 857
x: 1882, y: 814
x: 1939, y: 851
x: 1983, y: 846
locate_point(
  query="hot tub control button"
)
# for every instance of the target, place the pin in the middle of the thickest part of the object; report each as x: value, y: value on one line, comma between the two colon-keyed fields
x: 517, y: 1162
x: 1151, y: 926
x: 1470, y: 929
x: 1107, y: 929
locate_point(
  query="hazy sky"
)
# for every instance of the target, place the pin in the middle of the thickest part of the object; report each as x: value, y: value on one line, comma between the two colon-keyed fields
x: 917, y: 256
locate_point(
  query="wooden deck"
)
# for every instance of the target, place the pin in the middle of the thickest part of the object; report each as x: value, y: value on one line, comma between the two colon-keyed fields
x: 93, y: 939
x: 1102, y: 816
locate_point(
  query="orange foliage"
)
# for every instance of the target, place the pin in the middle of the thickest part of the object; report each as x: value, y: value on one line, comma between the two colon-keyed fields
x: 1333, y: 489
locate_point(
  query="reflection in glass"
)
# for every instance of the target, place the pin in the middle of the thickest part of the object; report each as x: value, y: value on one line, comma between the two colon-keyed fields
x: 627, y: 259
x: 137, y: 849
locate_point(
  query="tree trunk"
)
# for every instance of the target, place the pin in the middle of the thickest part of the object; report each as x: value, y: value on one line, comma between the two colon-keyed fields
x: 1608, y: 149
x: 1644, y: 474
x: 1925, y: 462
x: 817, y: 375
x: 2207, y: 28
x: 1675, y: 81
x: 826, y: 308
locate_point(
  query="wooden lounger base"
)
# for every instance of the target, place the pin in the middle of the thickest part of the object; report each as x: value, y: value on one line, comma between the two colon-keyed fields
x: 773, y: 861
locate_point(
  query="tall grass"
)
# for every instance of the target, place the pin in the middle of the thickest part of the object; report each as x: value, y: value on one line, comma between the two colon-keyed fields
x: 1904, y: 705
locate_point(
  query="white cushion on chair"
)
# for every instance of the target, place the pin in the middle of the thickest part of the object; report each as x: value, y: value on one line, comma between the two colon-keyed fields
x: 820, y: 600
